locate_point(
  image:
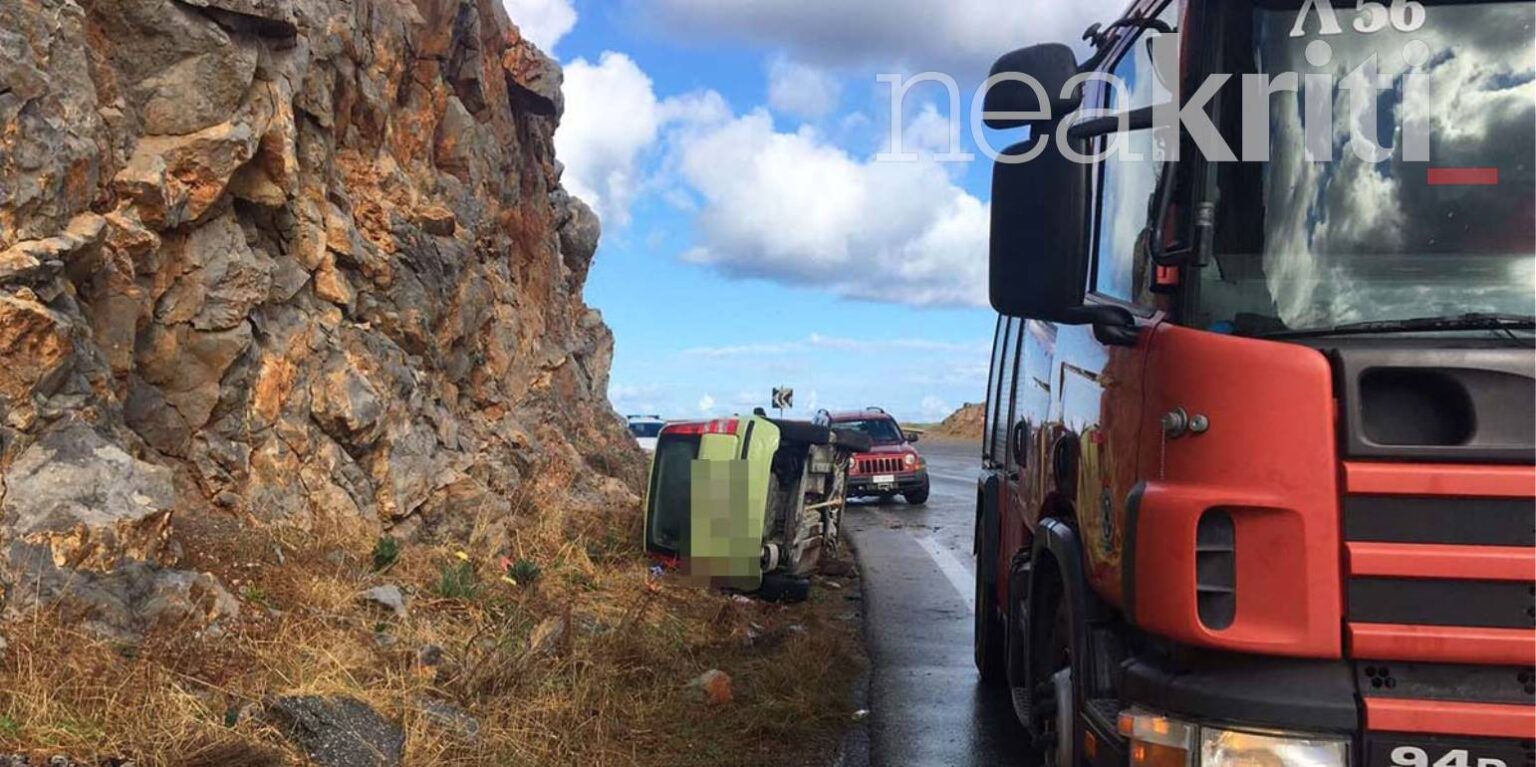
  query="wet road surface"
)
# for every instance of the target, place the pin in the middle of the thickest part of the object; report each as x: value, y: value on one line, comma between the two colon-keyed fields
x: 927, y: 706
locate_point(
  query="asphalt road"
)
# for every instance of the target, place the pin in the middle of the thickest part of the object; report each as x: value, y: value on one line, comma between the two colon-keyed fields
x: 926, y: 704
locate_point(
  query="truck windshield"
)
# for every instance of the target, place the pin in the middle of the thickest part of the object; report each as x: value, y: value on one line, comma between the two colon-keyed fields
x: 1382, y: 231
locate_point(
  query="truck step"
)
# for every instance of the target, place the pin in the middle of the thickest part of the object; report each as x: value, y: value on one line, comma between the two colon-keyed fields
x: 1022, y: 705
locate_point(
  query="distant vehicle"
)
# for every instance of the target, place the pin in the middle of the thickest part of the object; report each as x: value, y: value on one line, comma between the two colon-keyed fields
x: 646, y: 428
x: 748, y: 503
x: 891, y: 465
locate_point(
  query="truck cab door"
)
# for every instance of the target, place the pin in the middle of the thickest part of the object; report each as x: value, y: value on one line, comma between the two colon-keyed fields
x: 1098, y: 388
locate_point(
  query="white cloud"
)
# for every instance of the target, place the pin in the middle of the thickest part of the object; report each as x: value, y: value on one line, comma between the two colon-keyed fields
x: 962, y: 37
x: 796, y: 209
x: 934, y: 409
x: 707, y: 404
x: 800, y: 90
x: 611, y: 117
x: 543, y: 21
x: 819, y: 342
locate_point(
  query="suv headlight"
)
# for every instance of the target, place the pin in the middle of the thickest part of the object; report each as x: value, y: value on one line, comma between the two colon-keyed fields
x: 910, y: 459
x: 1160, y: 741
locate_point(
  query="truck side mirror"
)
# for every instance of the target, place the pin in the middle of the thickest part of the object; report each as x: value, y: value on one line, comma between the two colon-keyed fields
x: 1038, y: 256
x: 1007, y: 97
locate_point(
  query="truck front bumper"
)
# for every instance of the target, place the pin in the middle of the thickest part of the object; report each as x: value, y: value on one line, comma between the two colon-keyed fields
x: 860, y: 485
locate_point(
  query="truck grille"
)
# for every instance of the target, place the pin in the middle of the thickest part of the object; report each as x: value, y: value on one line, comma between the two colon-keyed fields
x: 877, y: 466
x: 1441, y: 604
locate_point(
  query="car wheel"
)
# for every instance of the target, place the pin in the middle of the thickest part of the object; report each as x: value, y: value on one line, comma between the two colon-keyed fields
x: 784, y: 588
x: 917, y: 497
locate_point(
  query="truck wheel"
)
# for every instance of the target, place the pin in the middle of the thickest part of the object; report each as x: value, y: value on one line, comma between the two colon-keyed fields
x: 916, y: 497
x: 987, y: 641
x: 1016, y: 644
x: 1052, y: 704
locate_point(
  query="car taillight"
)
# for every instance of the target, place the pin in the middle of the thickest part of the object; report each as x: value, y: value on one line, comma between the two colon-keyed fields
x: 717, y: 426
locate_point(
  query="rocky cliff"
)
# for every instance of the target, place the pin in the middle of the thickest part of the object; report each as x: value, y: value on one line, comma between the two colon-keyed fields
x: 278, y: 262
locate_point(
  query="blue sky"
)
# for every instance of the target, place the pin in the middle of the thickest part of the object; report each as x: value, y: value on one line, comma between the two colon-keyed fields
x: 752, y: 235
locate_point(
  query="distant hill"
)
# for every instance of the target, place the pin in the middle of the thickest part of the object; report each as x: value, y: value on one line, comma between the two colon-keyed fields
x: 965, y: 423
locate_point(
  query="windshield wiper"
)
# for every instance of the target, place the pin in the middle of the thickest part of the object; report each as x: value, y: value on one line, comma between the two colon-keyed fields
x: 1495, y: 322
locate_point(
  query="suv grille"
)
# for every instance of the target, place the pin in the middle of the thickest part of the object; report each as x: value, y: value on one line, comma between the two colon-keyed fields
x: 877, y: 466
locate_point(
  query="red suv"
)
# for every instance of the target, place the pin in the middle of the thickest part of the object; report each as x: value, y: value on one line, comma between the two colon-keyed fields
x: 891, y: 466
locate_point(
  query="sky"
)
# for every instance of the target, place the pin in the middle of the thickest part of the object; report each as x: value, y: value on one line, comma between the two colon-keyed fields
x: 754, y: 234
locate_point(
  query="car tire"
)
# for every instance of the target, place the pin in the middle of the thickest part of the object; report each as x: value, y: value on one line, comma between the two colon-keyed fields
x: 917, y: 497
x: 784, y: 588
x: 987, y: 641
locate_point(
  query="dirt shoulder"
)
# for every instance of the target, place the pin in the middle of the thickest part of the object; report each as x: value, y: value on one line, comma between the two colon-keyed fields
x: 558, y: 647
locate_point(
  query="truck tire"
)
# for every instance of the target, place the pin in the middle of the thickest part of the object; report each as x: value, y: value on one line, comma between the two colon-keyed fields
x: 1050, y: 714
x: 987, y: 642
x: 1016, y: 643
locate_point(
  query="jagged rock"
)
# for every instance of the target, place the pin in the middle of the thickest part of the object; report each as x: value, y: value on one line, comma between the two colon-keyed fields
x: 579, y: 236
x: 309, y: 258
x: 124, y: 603
x: 450, y: 718
x: 279, y: 11
x: 337, y: 731
x: 388, y: 597
x: 74, y: 476
x: 36, y: 348
x: 175, y: 179
x: 182, y: 71
x: 535, y: 76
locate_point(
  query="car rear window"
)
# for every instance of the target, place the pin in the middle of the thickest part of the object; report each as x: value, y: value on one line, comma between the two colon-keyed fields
x: 671, y: 497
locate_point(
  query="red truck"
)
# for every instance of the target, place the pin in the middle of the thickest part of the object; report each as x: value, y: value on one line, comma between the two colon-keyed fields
x: 1259, y: 470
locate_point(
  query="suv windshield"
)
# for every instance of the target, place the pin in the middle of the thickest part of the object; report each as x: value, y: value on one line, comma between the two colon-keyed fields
x: 1305, y: 244
x: 881, y: 431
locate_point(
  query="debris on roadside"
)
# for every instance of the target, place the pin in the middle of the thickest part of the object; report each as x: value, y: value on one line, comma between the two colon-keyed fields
x: 713, y: 687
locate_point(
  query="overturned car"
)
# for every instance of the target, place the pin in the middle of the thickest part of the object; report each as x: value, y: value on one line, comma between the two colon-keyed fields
x: 748, y: 503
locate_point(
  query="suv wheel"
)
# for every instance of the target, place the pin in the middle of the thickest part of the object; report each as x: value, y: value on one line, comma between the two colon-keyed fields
x: 917, y: 497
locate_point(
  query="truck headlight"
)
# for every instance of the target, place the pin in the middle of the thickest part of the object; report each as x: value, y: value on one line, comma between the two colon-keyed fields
x: 1232, y: 748
x: 911, y: 460
x: 1160, y: 741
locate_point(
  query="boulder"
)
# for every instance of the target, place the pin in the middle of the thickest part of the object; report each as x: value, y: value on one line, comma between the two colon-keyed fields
x: 337, y: 731
x: 449, y: 718
x: 74, y: 476
x: 36, y: 348
x: 123, y: 603
x: 388, y: 598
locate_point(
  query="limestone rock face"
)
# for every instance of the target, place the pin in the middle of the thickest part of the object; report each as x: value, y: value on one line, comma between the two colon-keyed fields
x: 285, y: 261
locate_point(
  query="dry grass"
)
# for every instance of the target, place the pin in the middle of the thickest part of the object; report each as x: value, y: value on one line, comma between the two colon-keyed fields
x: 609, y: 689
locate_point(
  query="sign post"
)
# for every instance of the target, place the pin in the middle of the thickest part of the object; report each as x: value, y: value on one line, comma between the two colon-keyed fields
x: 783, y: 397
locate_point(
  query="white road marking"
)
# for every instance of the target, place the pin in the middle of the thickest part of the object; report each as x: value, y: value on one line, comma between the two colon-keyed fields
x: 959, y: 576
